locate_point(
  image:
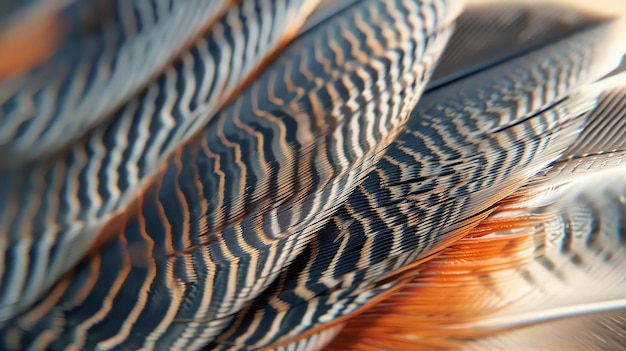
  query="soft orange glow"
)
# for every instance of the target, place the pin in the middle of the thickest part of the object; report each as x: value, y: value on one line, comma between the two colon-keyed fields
x: 30, y: 42
x: 467, y: 281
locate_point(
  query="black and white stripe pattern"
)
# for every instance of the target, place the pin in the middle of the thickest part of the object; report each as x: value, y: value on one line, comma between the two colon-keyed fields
x: 465, y: 147
x: 260, y: 224
x: 601, y: 144
x: 55, y: 209
x: 234, y: 207
x: 109, y: 52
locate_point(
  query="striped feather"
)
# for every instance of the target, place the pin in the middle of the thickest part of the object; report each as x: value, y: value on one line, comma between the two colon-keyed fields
x: 317, y: 194
x: 543, y: 271
x: 234, y: 207
x: 141, y: 39
x: 467, y: 145
x: 505, y: 30
x: 56, y: 209
x: 601, y: 145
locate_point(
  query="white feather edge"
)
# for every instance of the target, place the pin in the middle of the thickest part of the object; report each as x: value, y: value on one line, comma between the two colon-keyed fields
x: 566, y: 289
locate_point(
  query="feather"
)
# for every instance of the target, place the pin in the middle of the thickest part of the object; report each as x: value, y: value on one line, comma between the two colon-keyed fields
x: 234, y: 207
x: 601, y: 145
x: 543, y: 271
x: 234, y: 197
x: 56, y: 210
x: 468, y: 144
x: 66, y: 75
x: 488, y: 35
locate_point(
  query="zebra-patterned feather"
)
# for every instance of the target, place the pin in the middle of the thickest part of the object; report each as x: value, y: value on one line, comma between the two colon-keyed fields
x: 107, y: 52
x: 237, y: 205
x: 225, y: 196
x: 467, y: 145
x: 543, y: 271
x: 602, y: 143
x: 54, y: 210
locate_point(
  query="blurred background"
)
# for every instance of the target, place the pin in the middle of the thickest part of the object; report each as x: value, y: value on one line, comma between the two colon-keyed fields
x: 617, y: 7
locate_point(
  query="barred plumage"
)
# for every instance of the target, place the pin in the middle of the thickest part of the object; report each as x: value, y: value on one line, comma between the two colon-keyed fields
x: 447, y: 167
x: 552, y: 253
x: 67, y: 201
x: 113, y: 50
x: 253, y: 181
x: 267, y: 182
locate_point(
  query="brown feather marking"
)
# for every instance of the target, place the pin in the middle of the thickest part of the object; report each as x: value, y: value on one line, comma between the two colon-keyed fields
x: 467, y: 281
x: 404, y: 276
